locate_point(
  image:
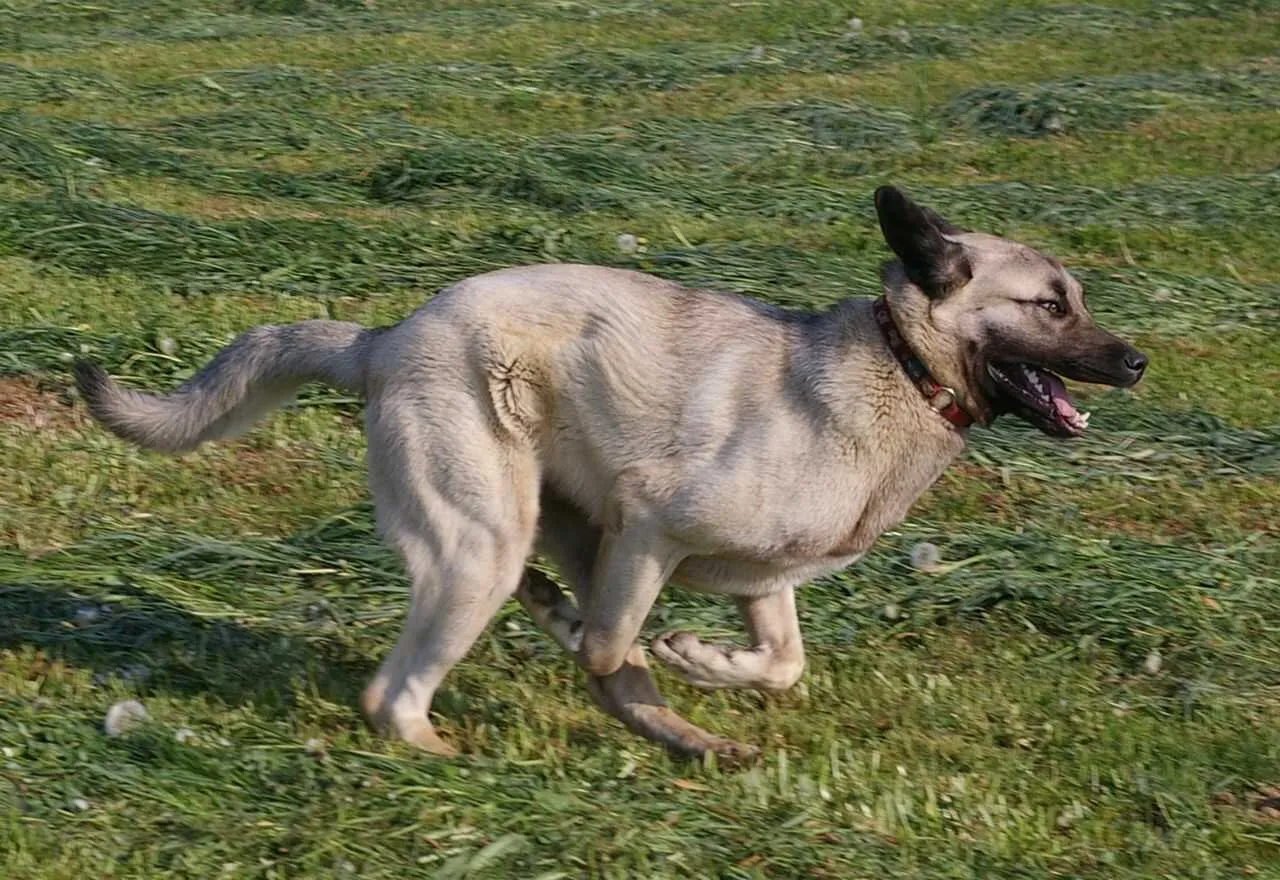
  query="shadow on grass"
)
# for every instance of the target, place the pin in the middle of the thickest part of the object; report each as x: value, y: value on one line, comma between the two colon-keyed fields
x: 158, y: 646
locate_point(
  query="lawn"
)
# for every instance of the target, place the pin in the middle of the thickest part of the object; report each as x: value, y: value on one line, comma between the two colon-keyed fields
x: 1089, y: 684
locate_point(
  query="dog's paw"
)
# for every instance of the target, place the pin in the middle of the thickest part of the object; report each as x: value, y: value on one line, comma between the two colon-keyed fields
x: 410, y: 728
x: 424, y: 738
x: 731, y: 753
x: 705, y: 665
x: 700, y: 663
x: 677, y: 646
x: 686, y: 655
x: 682, y: 738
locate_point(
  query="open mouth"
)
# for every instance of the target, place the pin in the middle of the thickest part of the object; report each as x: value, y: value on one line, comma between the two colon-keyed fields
x: 1039, y: 397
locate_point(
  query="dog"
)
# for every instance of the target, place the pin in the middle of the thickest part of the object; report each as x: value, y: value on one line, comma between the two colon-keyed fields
x: 635, y: 432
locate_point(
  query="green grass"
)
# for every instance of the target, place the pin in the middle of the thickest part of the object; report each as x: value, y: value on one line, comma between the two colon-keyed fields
x: 1088, y: 688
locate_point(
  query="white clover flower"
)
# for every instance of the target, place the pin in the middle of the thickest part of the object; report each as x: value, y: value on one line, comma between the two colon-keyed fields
x: 124, y: 717
x: 87, y: 615
x: 925, y: 556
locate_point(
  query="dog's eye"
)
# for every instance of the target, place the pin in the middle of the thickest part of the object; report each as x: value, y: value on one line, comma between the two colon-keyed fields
x: 1052, y: 306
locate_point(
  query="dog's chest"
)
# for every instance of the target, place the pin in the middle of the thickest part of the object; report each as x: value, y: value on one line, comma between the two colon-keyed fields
x: 806, y: 533
x: 893, y: 489
x: 857, y: 520
x: 827, y: 508
x: 736, y: 576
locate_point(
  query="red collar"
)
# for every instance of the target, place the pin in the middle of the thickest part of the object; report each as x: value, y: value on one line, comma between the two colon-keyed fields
x: 939, y: 397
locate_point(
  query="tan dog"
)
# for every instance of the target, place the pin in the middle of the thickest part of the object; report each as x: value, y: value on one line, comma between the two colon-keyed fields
x: 637, y: 432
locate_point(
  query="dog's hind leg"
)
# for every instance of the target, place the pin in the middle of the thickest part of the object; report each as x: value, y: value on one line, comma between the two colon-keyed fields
x: 460, y: 505
x: 773, y: 663
x: 629, y: 694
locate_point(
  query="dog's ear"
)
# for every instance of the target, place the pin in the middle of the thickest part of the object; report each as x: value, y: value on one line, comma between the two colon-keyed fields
x: 933, y: 263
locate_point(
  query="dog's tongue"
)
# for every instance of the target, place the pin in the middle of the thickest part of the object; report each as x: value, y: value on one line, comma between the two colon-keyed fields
x: 1058, y: 394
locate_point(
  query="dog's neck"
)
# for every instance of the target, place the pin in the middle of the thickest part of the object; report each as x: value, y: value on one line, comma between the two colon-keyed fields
x: 940, y: 355
x: 940, y: 398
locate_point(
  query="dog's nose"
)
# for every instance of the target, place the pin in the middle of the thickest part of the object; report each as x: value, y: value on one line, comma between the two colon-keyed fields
x: 1136, y: 361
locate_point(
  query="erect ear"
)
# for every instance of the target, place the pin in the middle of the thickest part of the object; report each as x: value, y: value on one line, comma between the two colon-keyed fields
x: 933, y: 263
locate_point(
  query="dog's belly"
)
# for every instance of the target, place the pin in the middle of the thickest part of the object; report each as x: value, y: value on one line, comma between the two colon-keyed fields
x: 729, y: 576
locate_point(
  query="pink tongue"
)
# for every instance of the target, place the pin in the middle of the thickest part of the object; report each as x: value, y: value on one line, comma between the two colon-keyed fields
x: 1058, y: 394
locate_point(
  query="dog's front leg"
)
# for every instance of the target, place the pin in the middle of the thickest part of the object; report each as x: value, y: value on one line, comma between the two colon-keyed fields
x: 615, y: 616
x: 631, y: 569
x: 774, y: 662
x: 629, y: 694
x: 630, y: 572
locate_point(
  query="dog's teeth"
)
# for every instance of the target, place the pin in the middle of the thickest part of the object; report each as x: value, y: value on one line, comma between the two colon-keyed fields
x: 1033, y: 379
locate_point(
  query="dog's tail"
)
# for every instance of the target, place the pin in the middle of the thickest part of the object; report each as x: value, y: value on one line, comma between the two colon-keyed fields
x: 259, y: 371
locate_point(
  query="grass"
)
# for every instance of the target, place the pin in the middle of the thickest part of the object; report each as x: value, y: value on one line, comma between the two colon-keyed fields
x: 1087, y: 687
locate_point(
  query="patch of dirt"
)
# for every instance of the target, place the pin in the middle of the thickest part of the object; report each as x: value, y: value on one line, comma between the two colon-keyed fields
x: 1267, y: 804
x: 24, y: 403
x: 1263, y: 804
x: 274, y: 471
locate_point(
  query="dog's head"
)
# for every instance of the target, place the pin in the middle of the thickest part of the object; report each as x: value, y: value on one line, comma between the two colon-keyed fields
x: 995, y: 320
